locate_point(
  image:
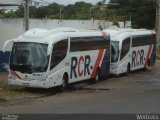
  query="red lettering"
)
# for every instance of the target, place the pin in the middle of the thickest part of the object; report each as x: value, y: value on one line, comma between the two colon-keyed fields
x: 104, y: 34
x: 77, y: 70
x: 80, y: 72
x: 138, y: 58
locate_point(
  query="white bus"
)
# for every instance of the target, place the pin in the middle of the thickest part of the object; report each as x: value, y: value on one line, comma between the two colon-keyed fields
x: 132, y: 49
x: 47, y: 58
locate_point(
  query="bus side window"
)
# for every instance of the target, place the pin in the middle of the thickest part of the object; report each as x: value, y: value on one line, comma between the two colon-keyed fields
x: 125, y: 47
x: 59, y: 52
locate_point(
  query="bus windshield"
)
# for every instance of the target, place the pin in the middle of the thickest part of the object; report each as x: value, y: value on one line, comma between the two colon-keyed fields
x: 29, y: 57
x: 115, y: 51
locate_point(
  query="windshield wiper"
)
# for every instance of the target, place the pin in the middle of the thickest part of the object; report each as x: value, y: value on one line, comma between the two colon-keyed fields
x: 22, y: 68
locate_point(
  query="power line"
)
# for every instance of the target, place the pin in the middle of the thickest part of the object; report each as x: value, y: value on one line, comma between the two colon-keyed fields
x: 13, y: 2
x: 9, y: 5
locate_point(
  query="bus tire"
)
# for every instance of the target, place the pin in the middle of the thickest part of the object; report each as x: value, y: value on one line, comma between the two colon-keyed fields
x: 64, y: 85
x: 128, y: 69
x: 98, y: 76
x: 147, y: 66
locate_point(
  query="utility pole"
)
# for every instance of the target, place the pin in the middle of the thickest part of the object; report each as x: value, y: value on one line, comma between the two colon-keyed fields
x: 130, y: 18
x: 158, y: 21
x: 26, y: 14
x: 124, y: 20
x: 90, y: 13
x: 60, y: 14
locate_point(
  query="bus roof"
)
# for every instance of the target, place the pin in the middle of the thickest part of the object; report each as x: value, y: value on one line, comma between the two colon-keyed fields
x: 120, y: 34
x: 53, y: 35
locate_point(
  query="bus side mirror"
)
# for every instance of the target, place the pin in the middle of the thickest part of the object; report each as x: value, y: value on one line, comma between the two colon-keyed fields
x: 6, y: 49
x: 6, y: 66
x: 7, y: 46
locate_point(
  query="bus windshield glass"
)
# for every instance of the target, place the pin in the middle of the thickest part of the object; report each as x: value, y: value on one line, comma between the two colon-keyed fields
x: 29, y: 57
x: 115, y: 51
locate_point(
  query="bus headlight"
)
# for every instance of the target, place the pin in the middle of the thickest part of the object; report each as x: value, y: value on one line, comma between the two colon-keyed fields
x: 10, y: 77
x: 114, y: 66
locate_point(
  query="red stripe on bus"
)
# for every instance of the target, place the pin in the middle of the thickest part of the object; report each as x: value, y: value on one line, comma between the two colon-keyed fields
x: 100, y: 54
x: 13, y: 73
x: 16, y: 75
x: 104, y: 34
x: 148, y: 54
x: 80, y: 72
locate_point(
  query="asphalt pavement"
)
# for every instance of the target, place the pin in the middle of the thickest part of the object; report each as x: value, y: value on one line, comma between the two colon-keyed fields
x: 138, y: 92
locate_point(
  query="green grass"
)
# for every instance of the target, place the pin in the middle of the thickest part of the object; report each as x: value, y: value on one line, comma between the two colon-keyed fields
x: 8, y: 93
x: 2, y: 100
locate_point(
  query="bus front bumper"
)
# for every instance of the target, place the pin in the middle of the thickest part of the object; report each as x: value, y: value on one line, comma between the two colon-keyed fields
x: 12, y: 81
x: 114, y: 70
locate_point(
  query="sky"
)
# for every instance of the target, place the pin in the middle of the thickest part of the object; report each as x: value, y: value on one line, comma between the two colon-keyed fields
x: 64, y: 2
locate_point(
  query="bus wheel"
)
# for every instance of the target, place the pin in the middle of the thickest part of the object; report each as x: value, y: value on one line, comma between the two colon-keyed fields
x: 64, y: 85
x: 97, y: 77
x: 128, y: 69
x: 147, y: 66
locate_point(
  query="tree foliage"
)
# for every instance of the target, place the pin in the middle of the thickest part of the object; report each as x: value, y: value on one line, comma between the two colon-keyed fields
x: 142, y: 12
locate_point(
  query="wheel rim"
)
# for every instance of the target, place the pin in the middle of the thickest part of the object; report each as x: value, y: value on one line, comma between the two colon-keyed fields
x: 63, y: 83
x: 97, y: 77
x: 128, y: 69
x: 147, y: 67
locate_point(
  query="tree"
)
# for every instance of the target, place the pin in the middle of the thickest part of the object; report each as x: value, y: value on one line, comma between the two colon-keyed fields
x: 142, y: 12
x: 11, y: 14
x: 1, y: 11
x: 80, y: 10
x: 20, y: 11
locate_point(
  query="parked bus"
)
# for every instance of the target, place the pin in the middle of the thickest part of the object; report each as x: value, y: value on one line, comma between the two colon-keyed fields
x: 132, y: 49
x: 47, y: 58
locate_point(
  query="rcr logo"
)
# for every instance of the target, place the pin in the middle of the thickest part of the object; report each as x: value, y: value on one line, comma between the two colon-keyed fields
x: 138, y: 58
x: 77, y: 63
